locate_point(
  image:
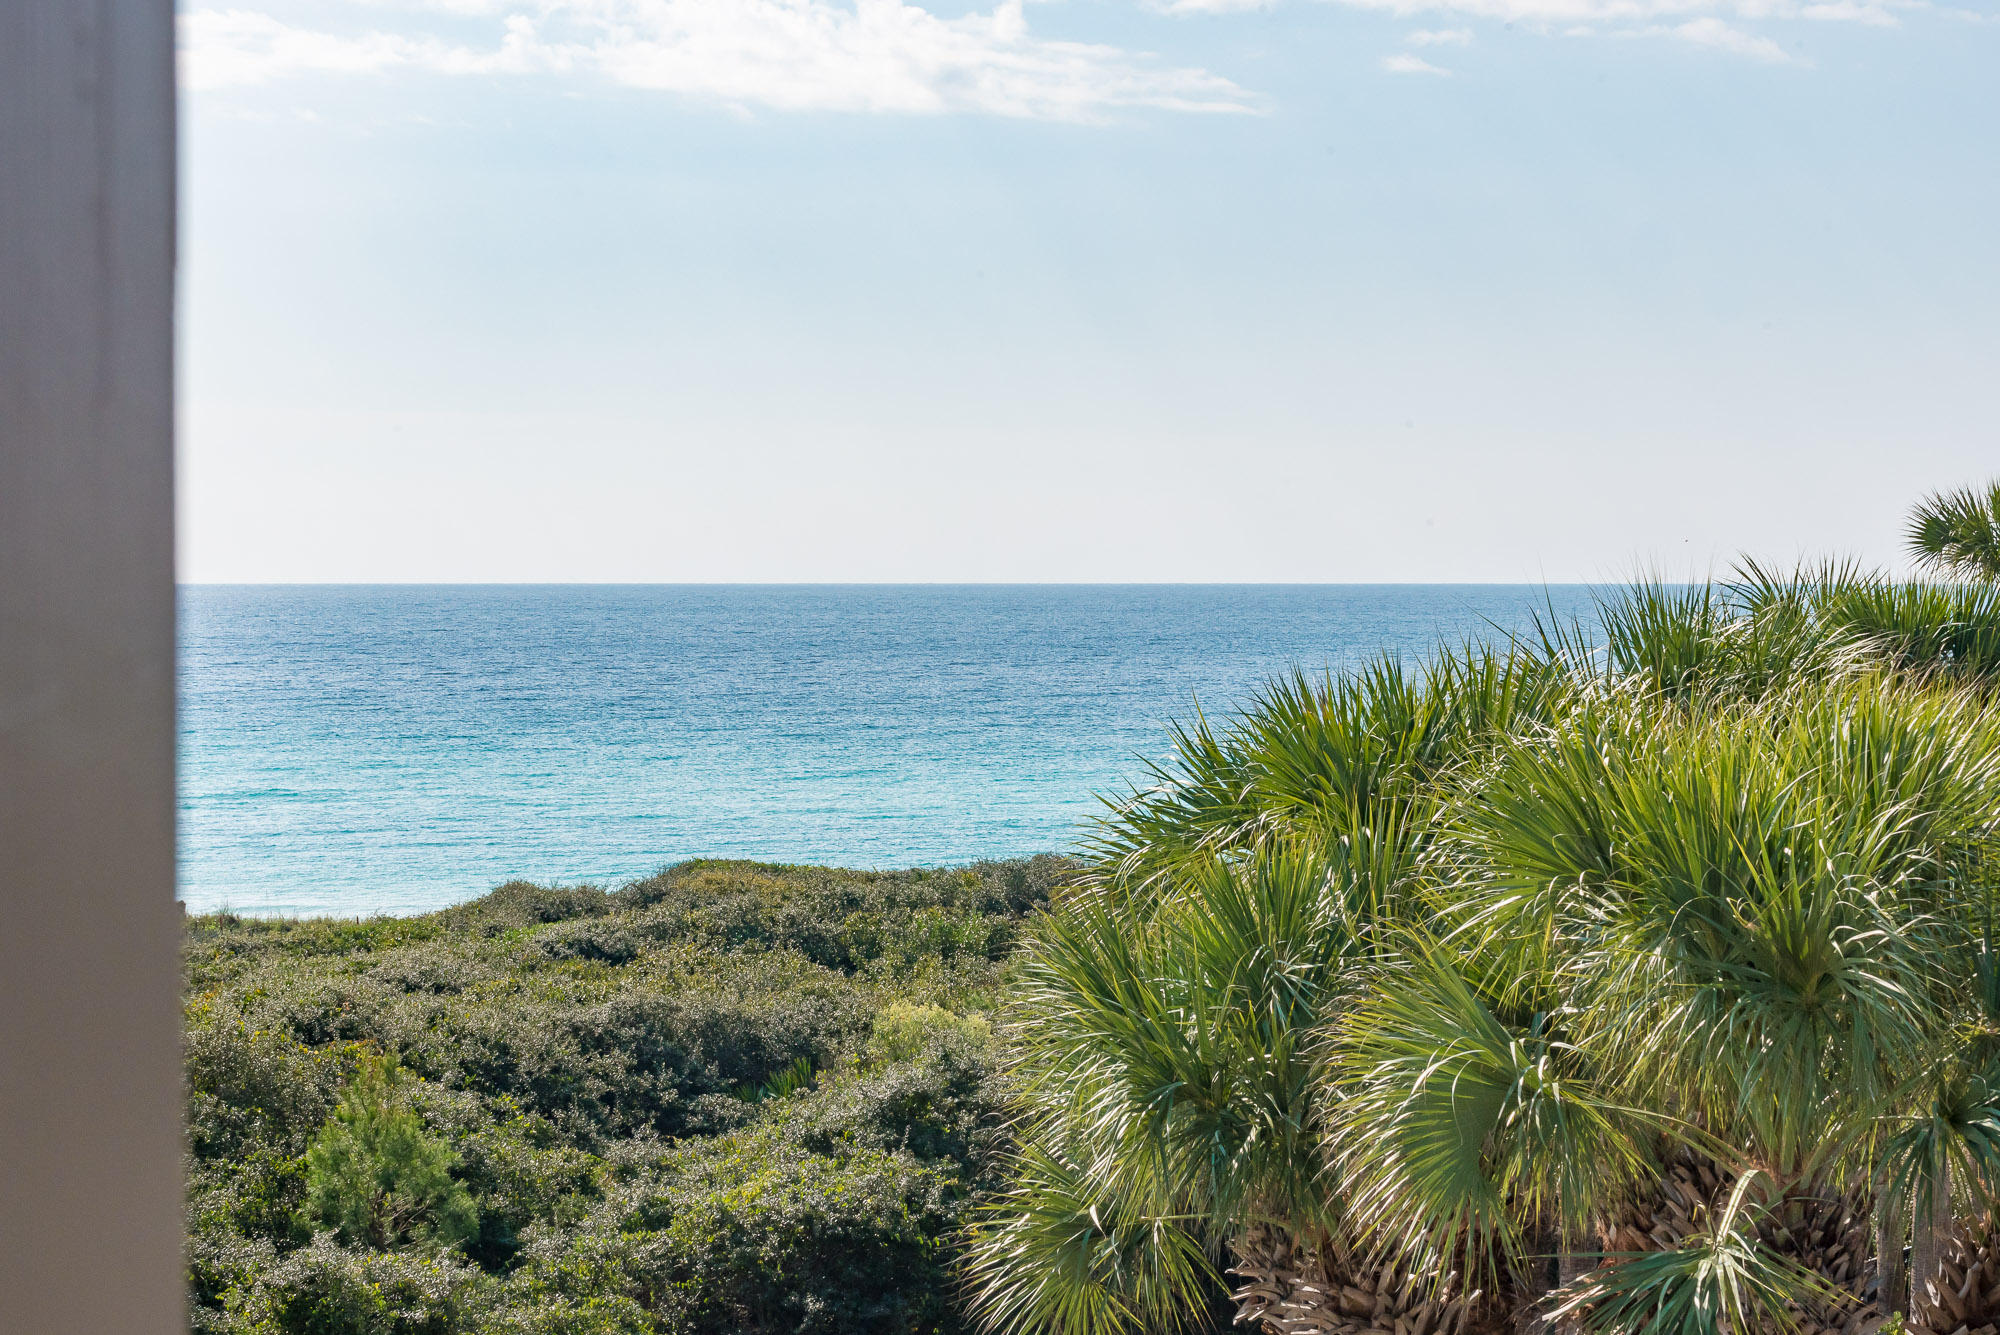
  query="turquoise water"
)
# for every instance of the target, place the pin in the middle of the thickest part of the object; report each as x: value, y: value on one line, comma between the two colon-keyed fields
x: 350, y: 749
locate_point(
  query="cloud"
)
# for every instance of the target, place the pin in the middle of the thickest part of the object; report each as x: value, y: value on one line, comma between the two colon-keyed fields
x: 818, y: 55
x: 1211, y: 6
x: 1634, y: 12
x: 1848, y: 11
x: 1739, y: 27
x: 1405, y: 63
x: 1735, y: 27
x: 225, y: 48
x: 1713, y: 32
x: 894, y: 56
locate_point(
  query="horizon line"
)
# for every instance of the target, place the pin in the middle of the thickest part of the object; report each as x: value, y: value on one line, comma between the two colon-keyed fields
x: 881, y: 584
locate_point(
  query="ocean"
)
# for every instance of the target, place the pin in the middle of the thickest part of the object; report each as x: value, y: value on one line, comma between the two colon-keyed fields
x: 354, y: 750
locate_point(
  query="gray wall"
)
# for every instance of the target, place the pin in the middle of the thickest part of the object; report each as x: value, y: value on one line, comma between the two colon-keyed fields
x: 90, y: 1216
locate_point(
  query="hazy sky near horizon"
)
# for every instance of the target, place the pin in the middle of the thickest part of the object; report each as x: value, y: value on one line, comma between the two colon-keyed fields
x: 1314, y: 290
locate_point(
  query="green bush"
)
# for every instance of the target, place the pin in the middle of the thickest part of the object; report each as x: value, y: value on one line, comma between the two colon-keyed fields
x: 326, y: 1289
x: 518, y: 1168
x: 902, y: 1031
x: 570, y: 1070
x: 941, y: 1108
x: 752, y: 1233
x: 252, y: 1088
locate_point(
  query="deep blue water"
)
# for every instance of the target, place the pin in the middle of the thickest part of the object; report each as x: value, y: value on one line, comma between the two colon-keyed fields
x: 349, y: 749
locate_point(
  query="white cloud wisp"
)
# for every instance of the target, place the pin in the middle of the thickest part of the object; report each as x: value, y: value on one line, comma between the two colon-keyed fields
x: 821, y: 55
x: 1440, y: 37
x: 1711, y: 31
x: 1736, y: 27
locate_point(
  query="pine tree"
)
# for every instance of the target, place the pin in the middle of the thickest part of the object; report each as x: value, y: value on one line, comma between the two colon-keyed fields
x: 376, y: 1176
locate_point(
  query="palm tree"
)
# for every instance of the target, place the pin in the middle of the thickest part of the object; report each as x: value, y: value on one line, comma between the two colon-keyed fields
x: 1739, y: 915
x: 1169, y: 1082
x: 1468, y: 1126
x: 1616, y: 980
x: 1941, y: 1167
x: 1958, y: 532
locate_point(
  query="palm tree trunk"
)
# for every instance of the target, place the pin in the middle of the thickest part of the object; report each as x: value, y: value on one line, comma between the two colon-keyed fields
x: 1530, y: 1317
x: 1573, y: 1264
x: 1892, y: 1274
x: 1933, y: 1229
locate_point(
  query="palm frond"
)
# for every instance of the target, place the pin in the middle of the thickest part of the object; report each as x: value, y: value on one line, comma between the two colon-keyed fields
x: 1724, y: 1282
x: 1958, y: 532
x: 1461, y: 1125
x: 1174, y: 1034
x: 1056, y: 1256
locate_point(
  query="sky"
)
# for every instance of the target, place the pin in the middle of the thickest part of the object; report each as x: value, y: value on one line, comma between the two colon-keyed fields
x: 1099, y: 290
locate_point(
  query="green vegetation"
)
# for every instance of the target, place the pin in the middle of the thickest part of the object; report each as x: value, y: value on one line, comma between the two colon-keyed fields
x: 731, y: 1098
x: 1958, y: 532
x: 1638, y: 977
x: 377, y: 1177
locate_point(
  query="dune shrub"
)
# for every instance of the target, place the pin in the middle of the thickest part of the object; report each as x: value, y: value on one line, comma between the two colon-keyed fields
x: 527, y: 1115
